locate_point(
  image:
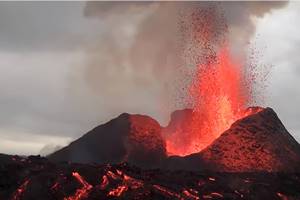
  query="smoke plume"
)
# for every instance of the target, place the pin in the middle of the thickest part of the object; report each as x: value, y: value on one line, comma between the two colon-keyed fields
x: 141, y: 45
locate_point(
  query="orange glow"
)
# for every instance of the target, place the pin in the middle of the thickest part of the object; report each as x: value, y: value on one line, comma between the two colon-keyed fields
x: 189, y: 195
x: 282, y: 196
x: 104, y: 182
x: 82, y: 192
x: 20, y: 190
x: 219, y: 97
x: 118, y: 191
x: 167, y: 192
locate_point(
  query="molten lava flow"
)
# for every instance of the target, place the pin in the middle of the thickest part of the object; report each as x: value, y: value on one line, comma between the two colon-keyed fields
x: 17, y: 195
x: 219, y: 96
x: 55, y: 186
x: 167, y: 192
x: 127, y: 183
x: 81, y: 192
x: 281, y: 196
x: 189, y: 195
x: 213, y: 195
x: 104, y: 183
x: 118, y: 191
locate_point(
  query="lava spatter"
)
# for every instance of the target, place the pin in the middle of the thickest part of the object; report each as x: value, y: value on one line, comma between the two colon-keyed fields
x: 219, y: 89
x: 219, y: 98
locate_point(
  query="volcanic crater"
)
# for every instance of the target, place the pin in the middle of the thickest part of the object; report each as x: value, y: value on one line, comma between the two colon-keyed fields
x: 127, y: 158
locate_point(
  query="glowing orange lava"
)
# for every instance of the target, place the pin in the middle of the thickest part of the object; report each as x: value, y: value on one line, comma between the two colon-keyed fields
x: 118, y: 191
x: 82, y: 192
x: 219, y: 97
x: 18, y: 194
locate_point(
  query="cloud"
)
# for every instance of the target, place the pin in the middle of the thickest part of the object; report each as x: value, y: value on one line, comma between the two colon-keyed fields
x: 278, y: 38
x: 69, y: 66
x: 49, y: 148
x: 43, y: 26
x: 142, y: 45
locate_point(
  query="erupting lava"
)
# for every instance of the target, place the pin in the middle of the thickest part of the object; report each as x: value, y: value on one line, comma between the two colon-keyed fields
x: 220, y: 90
x: 220, y: 97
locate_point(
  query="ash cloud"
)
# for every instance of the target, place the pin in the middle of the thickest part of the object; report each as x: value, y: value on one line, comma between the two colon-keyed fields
x: 132, y: 61
x: 143, y: 45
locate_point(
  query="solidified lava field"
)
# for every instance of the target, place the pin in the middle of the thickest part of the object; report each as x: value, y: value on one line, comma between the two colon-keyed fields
x: 37, y: 178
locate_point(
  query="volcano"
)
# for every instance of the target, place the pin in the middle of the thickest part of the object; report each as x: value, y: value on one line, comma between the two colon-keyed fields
x: 126, y: 158
x: 133, y: 138
x: 257, y: 142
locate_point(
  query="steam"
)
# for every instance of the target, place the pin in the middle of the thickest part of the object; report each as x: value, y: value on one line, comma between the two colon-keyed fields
x: 140, y: 45
x: 49, y: 148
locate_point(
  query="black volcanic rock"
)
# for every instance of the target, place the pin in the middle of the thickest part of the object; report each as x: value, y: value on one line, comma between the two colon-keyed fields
x: 258, y: 142
x: 36, y: 178
x: 256, y: 158
x: 133, y: 138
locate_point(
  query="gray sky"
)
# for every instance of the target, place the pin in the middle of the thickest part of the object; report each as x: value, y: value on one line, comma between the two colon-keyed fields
x: 60, y: 77
x: 278, y: 36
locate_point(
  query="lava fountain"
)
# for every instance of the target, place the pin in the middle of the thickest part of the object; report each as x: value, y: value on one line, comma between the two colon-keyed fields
x: 221, y: 88
x: 220, y: 96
